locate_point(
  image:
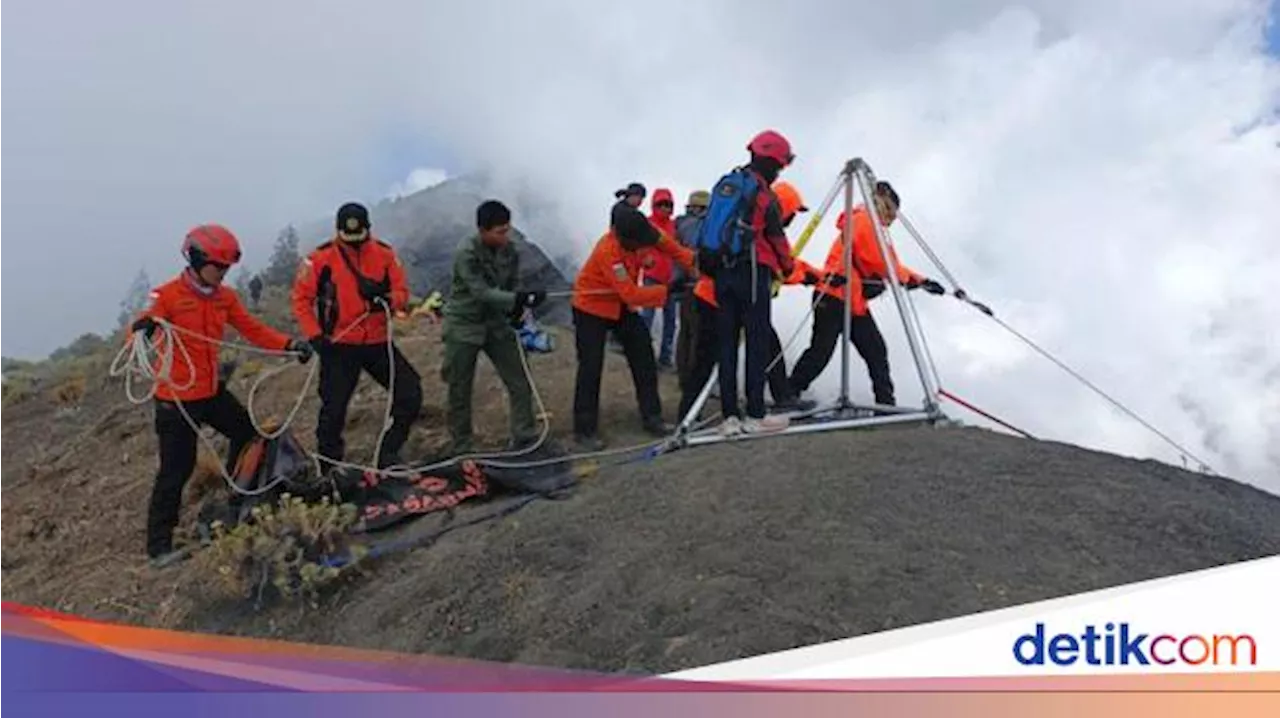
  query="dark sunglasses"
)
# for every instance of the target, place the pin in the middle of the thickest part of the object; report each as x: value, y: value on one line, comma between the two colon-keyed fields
x: 668, y: 205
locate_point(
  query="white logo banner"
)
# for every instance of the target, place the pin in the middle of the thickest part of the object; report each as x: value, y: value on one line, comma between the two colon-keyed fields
x: 1224, y: 619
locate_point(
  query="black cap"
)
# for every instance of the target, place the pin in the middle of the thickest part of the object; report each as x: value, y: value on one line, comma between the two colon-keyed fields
x: 632, y: 227
x: 884, y: 189
x: 352, y: 217
x: 635, y: 188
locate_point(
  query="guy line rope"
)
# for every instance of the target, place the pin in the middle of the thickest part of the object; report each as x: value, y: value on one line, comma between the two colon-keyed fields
x: 960, y: 294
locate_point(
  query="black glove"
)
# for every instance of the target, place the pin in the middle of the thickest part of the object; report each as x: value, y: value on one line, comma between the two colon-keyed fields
x: 680, y: 286
x: 810, y: 279
x: 146, y: 325
x: 302, y: 349
x: 835, y: 281
x: 321, y: 344
x: 932, y: 287
x: 529, y: 299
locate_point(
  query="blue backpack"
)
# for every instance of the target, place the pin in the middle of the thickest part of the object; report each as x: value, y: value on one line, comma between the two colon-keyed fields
x: 726, y: 233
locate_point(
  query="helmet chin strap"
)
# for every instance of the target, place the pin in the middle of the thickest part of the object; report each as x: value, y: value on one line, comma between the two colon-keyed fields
x: 193, y: 273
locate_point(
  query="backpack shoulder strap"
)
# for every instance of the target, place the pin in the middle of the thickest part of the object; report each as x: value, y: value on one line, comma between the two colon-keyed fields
x: 347, y: 260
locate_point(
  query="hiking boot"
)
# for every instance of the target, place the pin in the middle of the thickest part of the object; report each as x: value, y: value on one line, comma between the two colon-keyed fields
x: 794, y: 403
x: 588, y: 444
x: 169, y: 558
x: 658, y: 428
x: 730, y: 427
x: 768, y: 425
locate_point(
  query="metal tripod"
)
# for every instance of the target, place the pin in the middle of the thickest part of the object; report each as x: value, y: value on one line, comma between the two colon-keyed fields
x: 842, y: 413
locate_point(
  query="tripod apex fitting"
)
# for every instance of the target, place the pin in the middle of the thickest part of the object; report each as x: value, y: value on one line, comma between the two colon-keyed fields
x: 856, y: 165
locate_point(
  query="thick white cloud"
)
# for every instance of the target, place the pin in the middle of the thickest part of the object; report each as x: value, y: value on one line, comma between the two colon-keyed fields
x: 419, y: 179
x: 1103, y: 174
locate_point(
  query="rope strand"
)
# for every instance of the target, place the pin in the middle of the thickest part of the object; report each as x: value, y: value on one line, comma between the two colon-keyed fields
x: 960, y: 294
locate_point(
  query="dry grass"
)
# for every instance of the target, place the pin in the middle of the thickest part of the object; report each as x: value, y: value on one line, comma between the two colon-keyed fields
x: 16, y: 390
x: 68, y: 393
x: 282, y: 551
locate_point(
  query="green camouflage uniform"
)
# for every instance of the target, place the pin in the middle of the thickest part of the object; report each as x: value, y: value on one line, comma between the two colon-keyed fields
x: 477, y: 318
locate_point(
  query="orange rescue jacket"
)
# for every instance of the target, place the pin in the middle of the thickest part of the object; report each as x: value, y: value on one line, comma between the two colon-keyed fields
x: 609, y: 280
x: 868, y: 261
x: 193, y: 312
x: 325, y: 273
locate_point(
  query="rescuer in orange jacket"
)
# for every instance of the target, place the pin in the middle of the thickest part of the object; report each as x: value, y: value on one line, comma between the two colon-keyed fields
x: 705, y: 343
x: 606, y: 294
x: 870, y: 270
x: 340, y: 299
x: 198, y: 306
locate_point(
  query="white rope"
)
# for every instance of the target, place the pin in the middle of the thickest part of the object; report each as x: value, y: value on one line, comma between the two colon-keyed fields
x: 135, y: 359
x: 140, y: 357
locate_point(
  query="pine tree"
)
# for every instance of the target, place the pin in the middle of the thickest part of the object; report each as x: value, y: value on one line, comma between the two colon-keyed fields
x: 241, y: 282
x: 136, y: 299
x: 284, y: 259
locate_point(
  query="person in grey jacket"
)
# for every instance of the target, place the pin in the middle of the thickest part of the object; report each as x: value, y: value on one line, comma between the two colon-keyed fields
x: 687, y: 226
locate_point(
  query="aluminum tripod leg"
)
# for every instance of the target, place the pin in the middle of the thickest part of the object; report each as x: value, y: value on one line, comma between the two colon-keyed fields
x: 691, y: 417
x: 862, y: 173
x: 846, y: 330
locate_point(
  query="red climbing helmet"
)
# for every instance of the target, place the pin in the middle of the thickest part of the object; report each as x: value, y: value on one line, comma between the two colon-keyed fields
x: 211, y: 244
x: 773, y: 145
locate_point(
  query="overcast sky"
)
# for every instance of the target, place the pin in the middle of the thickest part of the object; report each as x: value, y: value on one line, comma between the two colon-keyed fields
x: 1105, y: 174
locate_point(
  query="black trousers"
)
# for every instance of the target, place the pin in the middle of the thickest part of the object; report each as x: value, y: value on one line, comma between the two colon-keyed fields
x: 590, y: 335
x: 340, y: 369
x: 828, y: 325
x: 704, y: 347
x: 178, y: 446
x: 743, y: 296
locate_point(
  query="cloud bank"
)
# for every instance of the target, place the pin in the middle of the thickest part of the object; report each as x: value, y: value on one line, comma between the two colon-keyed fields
x: 1102, y: 174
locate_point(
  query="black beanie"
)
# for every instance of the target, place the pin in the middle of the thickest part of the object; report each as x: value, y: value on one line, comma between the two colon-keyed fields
x: 632, y: 227
x: 352, y: 217
x: 633, y: 188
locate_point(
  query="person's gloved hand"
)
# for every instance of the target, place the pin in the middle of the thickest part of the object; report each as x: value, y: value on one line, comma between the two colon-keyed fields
x: 810, y: 279
x: 932, y: 287
x: 321, y: 344
x: 146, y: 325
x: 835, y: 281
x: 528, y: 299
x: 302, y: 349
